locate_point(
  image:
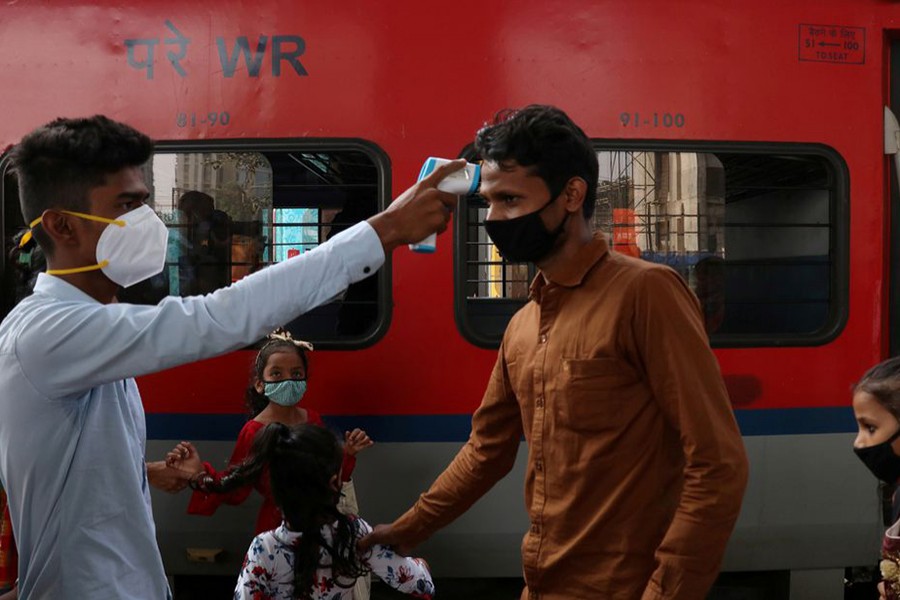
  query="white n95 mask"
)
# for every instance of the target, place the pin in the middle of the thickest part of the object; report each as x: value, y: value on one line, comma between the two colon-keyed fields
x: 130, y: 249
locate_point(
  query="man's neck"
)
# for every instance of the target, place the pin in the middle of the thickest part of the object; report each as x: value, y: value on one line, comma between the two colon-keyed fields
x: 577, y: 238
x: 93, y: 283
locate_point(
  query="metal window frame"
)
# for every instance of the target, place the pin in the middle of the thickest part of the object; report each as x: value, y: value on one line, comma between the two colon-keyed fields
x: 839, y: 240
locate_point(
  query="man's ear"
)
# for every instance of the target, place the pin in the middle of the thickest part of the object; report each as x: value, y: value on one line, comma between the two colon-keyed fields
x: 575, y: 192
x: 57, y: 226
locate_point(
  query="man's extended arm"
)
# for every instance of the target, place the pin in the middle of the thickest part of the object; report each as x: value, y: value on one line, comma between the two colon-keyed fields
x: 89, y: 344
x: 488, y: 455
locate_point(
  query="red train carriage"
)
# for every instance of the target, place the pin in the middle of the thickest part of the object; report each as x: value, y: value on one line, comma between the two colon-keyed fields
x: 741, y: 143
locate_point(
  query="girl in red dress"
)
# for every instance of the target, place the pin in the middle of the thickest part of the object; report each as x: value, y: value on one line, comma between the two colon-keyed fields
x: 273, y: 396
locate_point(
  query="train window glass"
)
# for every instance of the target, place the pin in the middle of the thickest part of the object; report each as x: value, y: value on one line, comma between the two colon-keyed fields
x: 754, y: 233
x: 294, y: 230
x: 231, y: 213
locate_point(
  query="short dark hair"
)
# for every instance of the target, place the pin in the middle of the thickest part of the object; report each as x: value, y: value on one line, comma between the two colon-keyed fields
x: 546, y: 140
x: 58, y: 164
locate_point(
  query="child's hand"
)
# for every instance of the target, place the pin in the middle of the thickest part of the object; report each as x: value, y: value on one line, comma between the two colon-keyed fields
x: 184, y: 456
x: 356, y: 440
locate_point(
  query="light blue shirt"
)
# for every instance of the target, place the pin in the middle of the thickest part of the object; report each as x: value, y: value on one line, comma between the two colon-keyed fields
x: 72, y: 430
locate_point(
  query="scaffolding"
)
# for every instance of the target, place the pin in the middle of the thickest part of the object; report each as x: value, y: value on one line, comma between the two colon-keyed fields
x: 662, y: 204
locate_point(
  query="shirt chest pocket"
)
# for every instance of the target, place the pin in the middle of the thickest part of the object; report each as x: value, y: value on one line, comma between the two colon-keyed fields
x: 598, y: 393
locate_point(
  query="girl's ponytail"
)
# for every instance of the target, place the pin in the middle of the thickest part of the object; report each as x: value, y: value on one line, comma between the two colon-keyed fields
x: 304, y: 462
x: 264, y: 447
x: 306, y: 486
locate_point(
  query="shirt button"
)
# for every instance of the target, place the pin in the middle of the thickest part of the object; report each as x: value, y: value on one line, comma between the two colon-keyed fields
x: 535, y: 529
x: 367, y: 269
x: 543, y: 338
x: 539, y: 402
x: 538, y: 466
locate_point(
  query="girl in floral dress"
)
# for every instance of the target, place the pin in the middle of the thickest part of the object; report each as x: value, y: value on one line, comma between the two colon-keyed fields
x: 312, y: 555
x: 876, y: 406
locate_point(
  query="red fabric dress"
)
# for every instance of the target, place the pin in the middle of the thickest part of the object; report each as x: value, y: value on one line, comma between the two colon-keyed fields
x: 203, y: 503
x: 9, y: 563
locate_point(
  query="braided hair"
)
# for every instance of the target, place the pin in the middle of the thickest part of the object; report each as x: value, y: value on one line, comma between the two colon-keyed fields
x: 304, y: 461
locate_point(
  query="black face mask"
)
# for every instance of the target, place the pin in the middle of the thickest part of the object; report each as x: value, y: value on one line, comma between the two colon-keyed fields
x: 524, y: 239
x: 881, y: 460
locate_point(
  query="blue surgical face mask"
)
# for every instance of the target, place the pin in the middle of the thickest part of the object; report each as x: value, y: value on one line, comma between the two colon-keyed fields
x: 287, y: 392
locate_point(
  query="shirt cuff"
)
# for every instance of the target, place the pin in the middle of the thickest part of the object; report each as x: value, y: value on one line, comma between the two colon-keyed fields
x: 412, y: 527
x: 361, y: 249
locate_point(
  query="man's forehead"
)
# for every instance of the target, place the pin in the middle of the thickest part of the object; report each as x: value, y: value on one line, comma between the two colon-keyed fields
x: 493, y: 170
x: 125, y: 183
x: 130, y: 179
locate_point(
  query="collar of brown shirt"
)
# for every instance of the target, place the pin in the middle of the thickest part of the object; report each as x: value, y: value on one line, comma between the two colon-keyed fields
x: 573, y: 272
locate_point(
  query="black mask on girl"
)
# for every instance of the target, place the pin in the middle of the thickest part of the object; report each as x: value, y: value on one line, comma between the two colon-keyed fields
x: 525, y: 238
x: 882, y: 460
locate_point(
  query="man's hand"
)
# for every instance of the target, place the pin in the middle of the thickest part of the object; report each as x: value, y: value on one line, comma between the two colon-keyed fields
x: 418, y: 212
x: 384, y: 535
x: 356, y: 441
x: 166, y: 478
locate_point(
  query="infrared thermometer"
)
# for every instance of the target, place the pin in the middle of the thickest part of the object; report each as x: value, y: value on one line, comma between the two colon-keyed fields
x: 461, y: 183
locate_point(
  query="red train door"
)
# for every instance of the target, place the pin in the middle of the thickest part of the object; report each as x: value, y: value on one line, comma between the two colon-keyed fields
x: 892, y: 149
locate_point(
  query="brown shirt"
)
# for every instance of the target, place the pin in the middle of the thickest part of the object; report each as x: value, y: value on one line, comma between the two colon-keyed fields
x: 636, y: 467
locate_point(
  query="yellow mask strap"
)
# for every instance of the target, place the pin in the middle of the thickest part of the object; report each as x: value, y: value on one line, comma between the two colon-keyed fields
x: 28, y: 235
x: 96, y: 267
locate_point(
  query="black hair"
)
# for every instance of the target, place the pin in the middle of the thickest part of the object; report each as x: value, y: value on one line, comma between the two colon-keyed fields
x: 196, y: 203
x: 546, y: 140
x: 256, y: 401
x: 59, y: 163
x: 26, y: 263
x: 883, y: 382
x: 302, y: 462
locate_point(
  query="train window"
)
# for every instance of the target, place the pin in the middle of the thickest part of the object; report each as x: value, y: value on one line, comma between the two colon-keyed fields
x: 758, y: 232
x: 233, y: 211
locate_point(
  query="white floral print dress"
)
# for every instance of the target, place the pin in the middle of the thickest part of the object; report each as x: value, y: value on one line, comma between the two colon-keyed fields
x: 268, y: 570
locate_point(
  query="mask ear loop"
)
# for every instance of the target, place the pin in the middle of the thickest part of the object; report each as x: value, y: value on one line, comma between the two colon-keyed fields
x: 27, y: 237
x: 103, y: 263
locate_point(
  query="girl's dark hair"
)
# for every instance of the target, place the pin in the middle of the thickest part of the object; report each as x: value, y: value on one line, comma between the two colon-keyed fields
x: 302, y: 462
x: 883, y: 382
x: 256, y: 402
